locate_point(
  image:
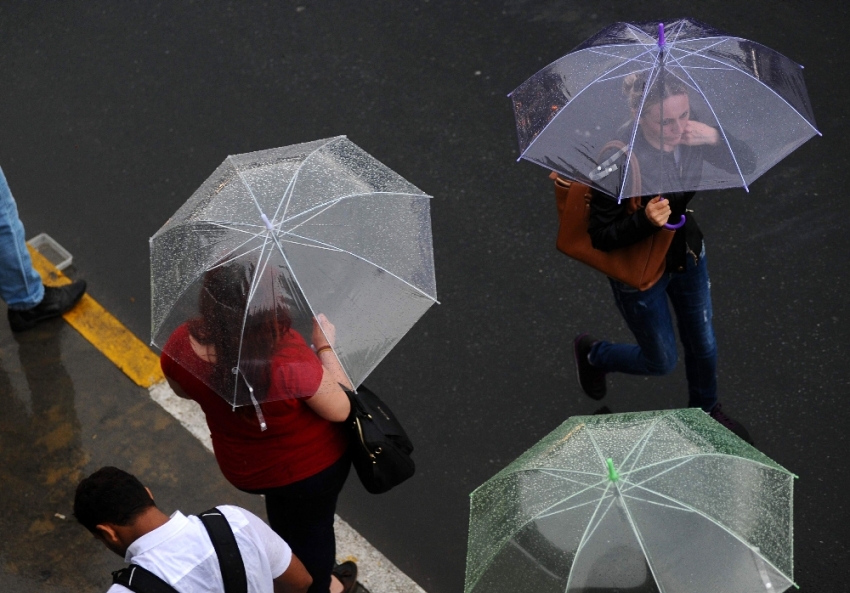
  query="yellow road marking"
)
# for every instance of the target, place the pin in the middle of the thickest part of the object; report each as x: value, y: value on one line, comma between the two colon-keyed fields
x: 106, y: 333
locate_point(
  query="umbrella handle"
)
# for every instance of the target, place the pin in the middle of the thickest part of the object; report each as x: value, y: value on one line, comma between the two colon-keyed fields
x: 678, y: 225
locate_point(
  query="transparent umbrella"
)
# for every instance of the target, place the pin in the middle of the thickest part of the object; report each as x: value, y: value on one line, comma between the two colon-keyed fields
x: 665, y: 501
x: 309, y: 229
x: 698, y: 109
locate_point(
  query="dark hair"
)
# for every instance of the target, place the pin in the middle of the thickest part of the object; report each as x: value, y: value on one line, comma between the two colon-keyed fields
x: 110, y: 495
x: 634, y: 87
x: 223, y: 303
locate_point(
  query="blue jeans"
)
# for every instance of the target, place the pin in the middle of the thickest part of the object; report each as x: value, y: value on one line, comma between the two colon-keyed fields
x: 648, y: 316
x: 20, y: 284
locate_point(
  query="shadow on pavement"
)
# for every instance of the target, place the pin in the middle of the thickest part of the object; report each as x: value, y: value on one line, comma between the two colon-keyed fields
x: 65, y: 410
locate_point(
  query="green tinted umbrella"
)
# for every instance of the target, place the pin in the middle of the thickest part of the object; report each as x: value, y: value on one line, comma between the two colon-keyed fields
x: 665, y: 501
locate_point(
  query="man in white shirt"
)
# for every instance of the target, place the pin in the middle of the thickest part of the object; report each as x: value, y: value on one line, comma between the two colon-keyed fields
x: 120, y: 512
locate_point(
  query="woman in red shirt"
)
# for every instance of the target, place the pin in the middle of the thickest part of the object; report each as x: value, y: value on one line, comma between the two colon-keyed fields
x: 290, y: 446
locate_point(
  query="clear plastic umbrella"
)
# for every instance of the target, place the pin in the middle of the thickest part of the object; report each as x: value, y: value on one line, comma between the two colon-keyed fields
x: 665, y: 501
x: 587, y: 114
x: 309, y: 229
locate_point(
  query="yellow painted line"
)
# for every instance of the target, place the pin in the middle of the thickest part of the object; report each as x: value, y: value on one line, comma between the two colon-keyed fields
x: 106, y: 333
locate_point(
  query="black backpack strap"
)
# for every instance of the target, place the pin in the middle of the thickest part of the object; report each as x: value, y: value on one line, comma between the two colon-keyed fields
x: 229, y: 556
x: 141, y: 580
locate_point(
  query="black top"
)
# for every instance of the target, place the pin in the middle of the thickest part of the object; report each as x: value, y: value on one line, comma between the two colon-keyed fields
x: 610, y: 227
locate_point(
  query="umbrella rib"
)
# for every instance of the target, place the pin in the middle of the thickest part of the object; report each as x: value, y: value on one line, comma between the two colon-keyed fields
x: 587, y: 86
x: 262, y: 271
x: 679, y: 27
x: 688, y: 51
x: 221, y: 263
x: 669, y: 469
x: 291, y: 187
x: 254, y: 281
x: 720, y: 525
x: 572, y: 508
x: 304, y: 294
x: 720, y: 126
x: 644, y: 438
x: 635, y: 129
x: 224, y: 262
x: 361, y: 258
x: 558, y: 469
x: 563, y: 500
x: 748, y: 74
x: 649, y: 40
x: 229, y: 228
x: 223, y: 222
x: 598, y: 450
x: 326, y: 248
x: 610, y: 55
x: 245, y: 183
x: 660, y: 504
x: 588, y: 533
x: 566, y: 479
x: 640, y: 542
x: 357, y: 195
x: 498, y: 546
x: 753, y: 461
x: 615, y: 76
x: 324, y: 208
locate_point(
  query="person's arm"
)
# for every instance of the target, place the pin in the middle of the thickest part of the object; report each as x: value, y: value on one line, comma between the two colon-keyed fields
x: 611, y: 228
x: 717, y: 148
x: 330, y: 401
x: 295, y: 579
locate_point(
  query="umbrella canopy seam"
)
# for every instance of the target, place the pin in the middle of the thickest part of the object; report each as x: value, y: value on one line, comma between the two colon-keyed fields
x: 721, y: 526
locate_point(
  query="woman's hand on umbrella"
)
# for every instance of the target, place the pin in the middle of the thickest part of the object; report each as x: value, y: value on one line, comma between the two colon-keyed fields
x: 697, y: 133
x: 658, y: 211
x: 324, y: 332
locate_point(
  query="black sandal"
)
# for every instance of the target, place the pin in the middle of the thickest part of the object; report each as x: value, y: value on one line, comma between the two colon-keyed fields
x: 347, y: 575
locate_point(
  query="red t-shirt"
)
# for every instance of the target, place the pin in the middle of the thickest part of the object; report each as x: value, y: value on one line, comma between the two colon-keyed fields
x: 297, y: 444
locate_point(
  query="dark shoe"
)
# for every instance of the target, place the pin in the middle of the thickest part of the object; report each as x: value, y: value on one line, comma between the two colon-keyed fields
x: 57, y: 300
x: 591, y: 379
x: 347, y: 575
x: 730, y: 423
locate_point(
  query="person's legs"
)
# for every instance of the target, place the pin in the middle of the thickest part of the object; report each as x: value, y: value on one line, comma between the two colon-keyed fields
x: 691, y: 297
x: 302, y: 513
x: 20, y: 284
x: 647, y: 315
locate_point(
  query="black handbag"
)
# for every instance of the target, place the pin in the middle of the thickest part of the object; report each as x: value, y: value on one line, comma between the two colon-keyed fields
x: 380, y: 449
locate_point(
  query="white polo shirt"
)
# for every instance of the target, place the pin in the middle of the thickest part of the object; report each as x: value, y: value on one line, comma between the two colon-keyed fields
x: 181, y: 553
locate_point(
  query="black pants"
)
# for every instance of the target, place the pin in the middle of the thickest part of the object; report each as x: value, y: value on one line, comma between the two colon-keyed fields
x: 302, y: 513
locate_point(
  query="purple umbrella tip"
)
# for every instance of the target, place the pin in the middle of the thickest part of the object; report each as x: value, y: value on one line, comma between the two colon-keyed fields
x: 661, y: 41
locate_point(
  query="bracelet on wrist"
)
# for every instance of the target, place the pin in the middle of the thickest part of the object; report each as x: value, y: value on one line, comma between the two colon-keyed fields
x: 323, y: 349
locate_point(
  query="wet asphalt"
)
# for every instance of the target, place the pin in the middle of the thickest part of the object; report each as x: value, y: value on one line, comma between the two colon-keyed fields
x: 111, y: 114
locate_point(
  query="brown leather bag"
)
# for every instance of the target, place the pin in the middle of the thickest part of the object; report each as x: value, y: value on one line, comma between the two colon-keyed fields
x: 640, y: 265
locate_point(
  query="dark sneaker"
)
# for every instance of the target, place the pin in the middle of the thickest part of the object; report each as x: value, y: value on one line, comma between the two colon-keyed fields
x: 730, y: 423
x: 591, y: 379
x: 347, y: 575
x: 57, y: 300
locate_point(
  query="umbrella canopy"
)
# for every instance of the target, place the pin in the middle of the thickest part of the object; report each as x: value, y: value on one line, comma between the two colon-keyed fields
x: 309, y: 229
x: 751, y: 102
x: 665, y: 501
